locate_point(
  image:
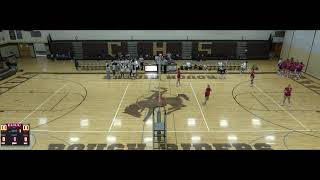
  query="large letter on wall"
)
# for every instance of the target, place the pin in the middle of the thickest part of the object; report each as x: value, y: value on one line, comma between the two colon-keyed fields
x: 156, y: 49
x: 201, y: 48
x: 110, y: 52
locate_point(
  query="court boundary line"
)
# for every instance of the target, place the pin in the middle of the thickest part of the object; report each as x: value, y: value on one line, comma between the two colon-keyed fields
x: 254, y: 109
x: 299, y: 82
x: 204, y: 118
x: 267, y: 109
x: 191, y: 131
x: 12, y: 87
x: 124, y: 94
x: 59, y: 101
x: 235, y: 131
x: 293, y: 117
x: 156, y: 82
x: 43, y: 102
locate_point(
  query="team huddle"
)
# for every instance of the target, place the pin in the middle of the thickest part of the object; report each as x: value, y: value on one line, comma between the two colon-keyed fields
x: 289, y: 68
x: 124, y: 68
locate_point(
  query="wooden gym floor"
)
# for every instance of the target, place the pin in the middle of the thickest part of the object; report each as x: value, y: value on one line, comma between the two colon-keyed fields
x: 87, y: 109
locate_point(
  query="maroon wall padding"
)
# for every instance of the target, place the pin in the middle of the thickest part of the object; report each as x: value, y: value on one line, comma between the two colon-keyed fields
x: 224, y: 49
x: 94, y: 50
x: 257, y: 49
x: 174, y: 48
x: 145, y: 47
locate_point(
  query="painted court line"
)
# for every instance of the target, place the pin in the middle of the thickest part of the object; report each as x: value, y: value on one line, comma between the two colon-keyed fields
x: 145, y: 82
x: 43, y: 103
x: 282, y: 108
x: 124, y: 94
x: 271, y: 130
x: 199, y: 107
x: 14, y: 118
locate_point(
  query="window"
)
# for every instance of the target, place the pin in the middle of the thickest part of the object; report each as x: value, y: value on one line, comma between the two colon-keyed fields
x: 35, y: 34
x: 12, y: 35
x: 19, y: 34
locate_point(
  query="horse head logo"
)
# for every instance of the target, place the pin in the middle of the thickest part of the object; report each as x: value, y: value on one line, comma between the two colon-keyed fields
x: 151, y: 101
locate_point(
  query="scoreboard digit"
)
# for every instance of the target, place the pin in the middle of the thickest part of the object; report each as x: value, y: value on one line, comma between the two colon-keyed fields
x: 3, y: 140
x: 3, y: 127
x: 15, y: 134
x: 25, y: 127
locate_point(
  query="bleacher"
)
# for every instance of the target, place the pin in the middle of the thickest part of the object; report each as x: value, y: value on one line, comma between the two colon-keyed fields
x: 8, y: 66
x: 91, y: 65
x: 6, y: 72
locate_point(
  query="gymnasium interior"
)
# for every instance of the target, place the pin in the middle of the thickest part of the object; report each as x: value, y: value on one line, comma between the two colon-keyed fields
x: 58, y: 90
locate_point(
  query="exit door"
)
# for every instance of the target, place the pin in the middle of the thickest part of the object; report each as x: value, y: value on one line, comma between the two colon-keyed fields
x: 25, y: 50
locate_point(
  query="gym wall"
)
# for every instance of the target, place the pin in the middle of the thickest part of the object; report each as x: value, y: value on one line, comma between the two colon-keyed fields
x: 95, y: 43
x: 286, y: 44
x: 301, y: 45
x: 159, y: 35
x: 313, y: 67
x: 304, y: 46
x: 6, y: 50
x: 142, y: 35
x: 23, y: 47
x: 94, y: 49
x: 3, y: 39
x: 26, y: 37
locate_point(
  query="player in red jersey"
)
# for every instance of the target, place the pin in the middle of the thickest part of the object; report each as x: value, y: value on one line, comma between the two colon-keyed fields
x: 287, y: 94
x: 292, y: 68
x: 252, y: 77
x: 284, y: 65
x: 178, y: 77
x: 207, y: 94
x: 288, y: 65
x: 299, y: 69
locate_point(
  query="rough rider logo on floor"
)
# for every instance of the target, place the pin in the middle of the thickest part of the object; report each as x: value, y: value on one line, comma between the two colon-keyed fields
x: 182, y: 77
x: 184, y: 146
x: 148, y: 103
x: 192, y: 77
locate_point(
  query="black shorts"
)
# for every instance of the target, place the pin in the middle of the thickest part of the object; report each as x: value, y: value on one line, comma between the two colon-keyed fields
x: 221, y: 71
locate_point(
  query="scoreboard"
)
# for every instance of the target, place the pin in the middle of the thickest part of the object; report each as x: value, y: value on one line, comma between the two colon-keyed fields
x: 15, y: 134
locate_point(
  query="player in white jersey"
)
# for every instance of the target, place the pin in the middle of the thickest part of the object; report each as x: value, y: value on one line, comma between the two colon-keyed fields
x: 243, y: 67
x: 221, y: 70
